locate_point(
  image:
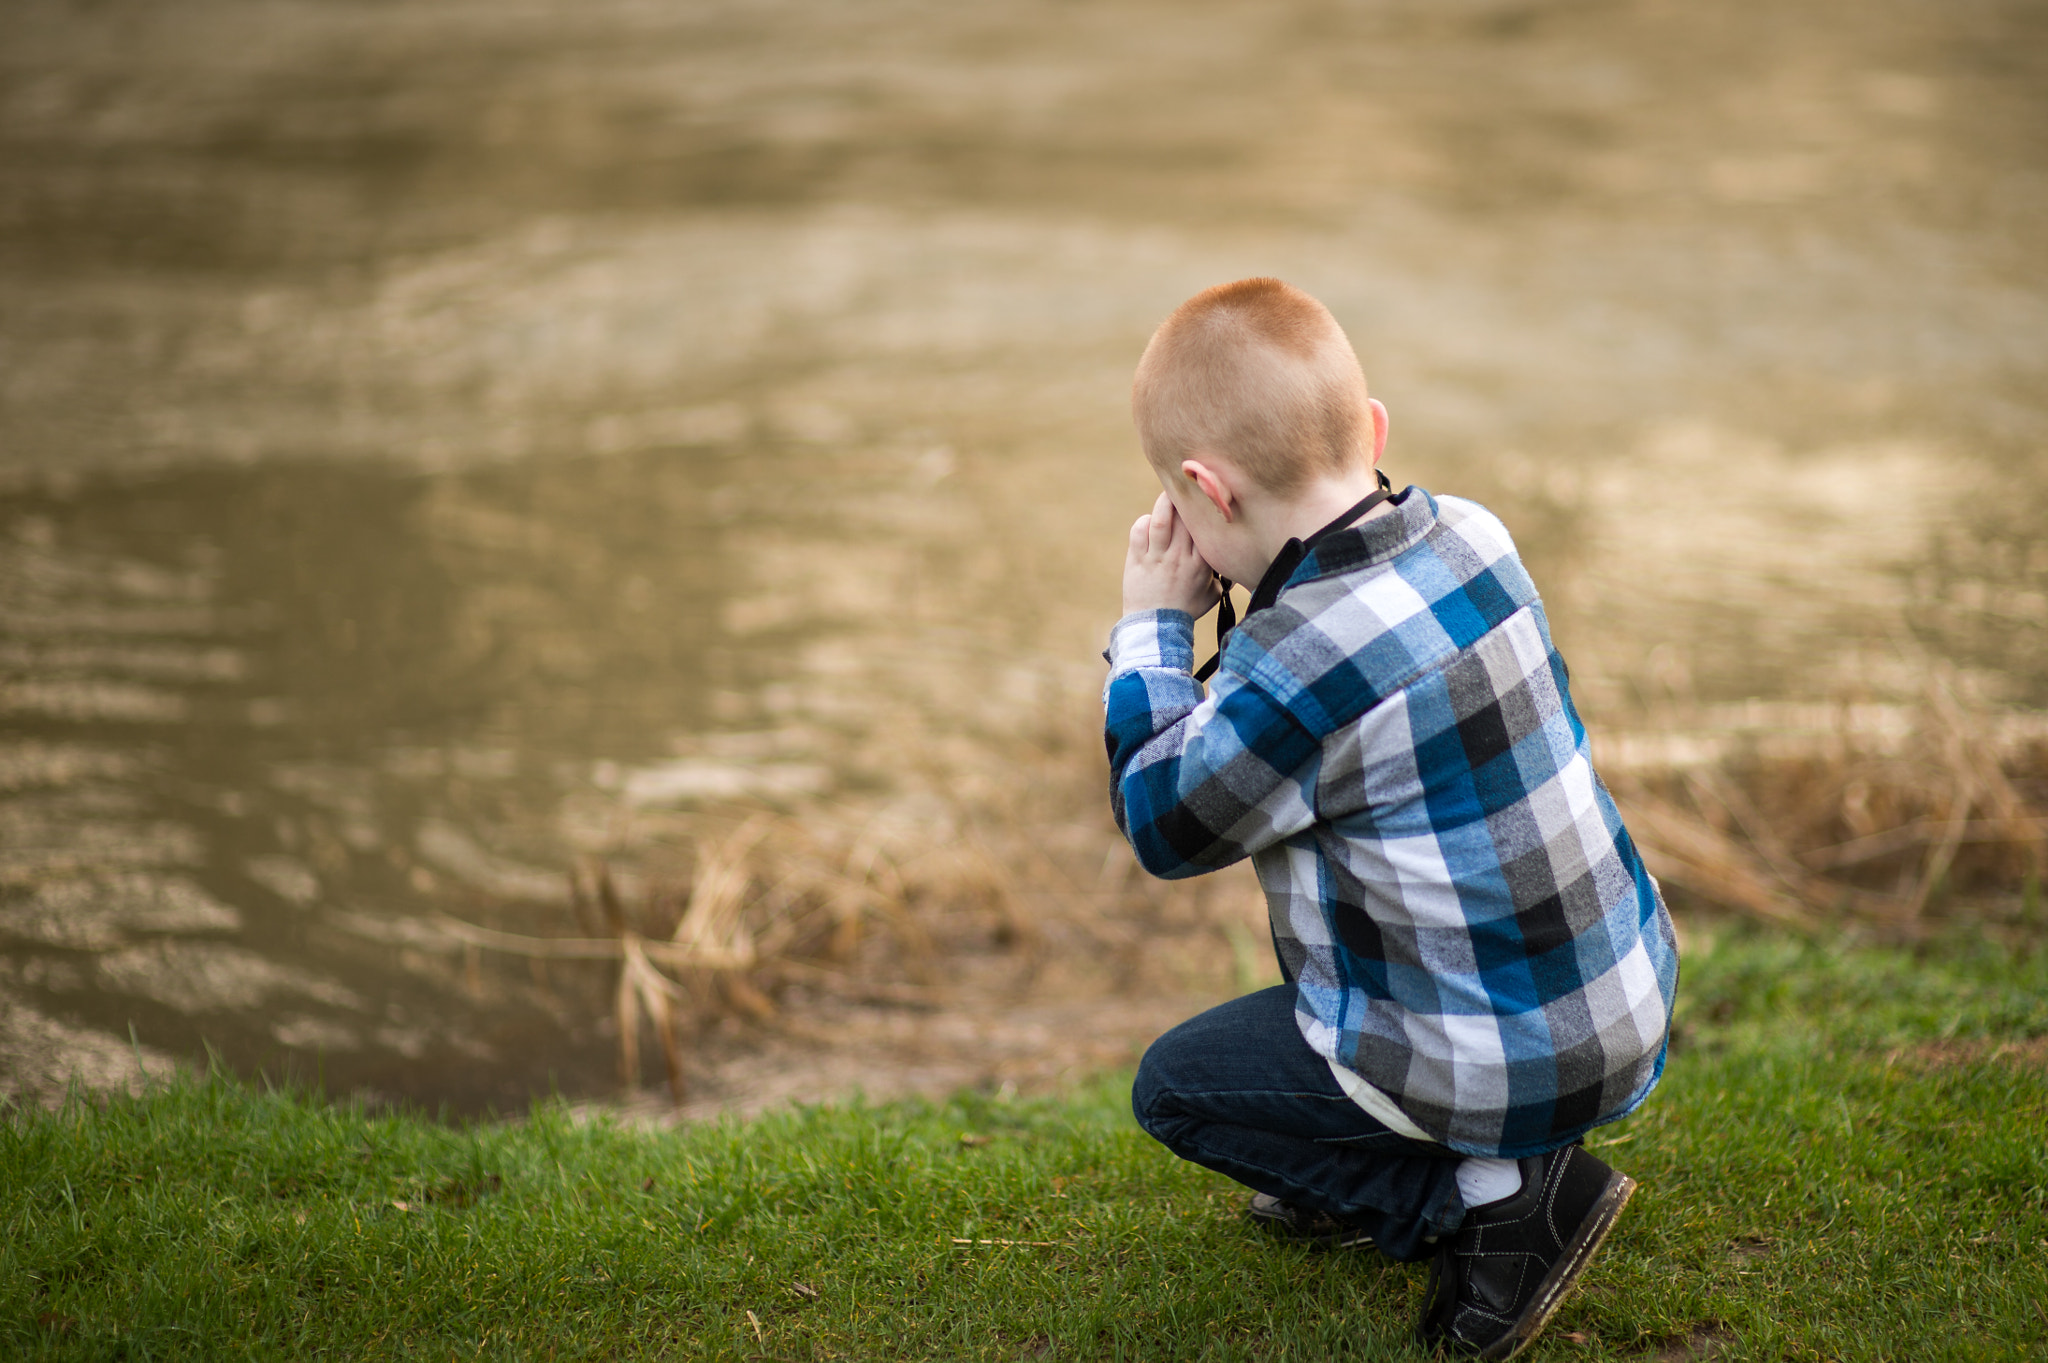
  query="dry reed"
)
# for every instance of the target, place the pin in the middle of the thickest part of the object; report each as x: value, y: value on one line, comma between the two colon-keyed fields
x: 1875, y: 816
x: 1881, y: 817
x: 846, y: 901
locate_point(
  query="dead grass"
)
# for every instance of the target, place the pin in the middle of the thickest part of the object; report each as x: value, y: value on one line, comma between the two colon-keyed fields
x: 726, y: 916
x: 2028, y: 1054
x: 1883, y: 817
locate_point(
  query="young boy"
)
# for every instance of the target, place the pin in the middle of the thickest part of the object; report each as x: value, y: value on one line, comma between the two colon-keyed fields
x: 1478, y: 968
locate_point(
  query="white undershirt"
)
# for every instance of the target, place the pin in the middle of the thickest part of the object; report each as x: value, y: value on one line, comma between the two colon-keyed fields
x: 1480, y: 1181
x: 1375, y: 1103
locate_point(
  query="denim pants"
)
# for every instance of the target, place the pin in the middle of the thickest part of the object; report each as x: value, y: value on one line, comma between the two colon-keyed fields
x: 1237, y: 1090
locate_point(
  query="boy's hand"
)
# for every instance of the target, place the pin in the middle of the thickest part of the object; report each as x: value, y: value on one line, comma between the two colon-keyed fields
x: 1163, y: 570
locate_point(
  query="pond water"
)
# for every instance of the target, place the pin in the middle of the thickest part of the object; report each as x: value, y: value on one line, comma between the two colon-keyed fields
x: 437, y: 439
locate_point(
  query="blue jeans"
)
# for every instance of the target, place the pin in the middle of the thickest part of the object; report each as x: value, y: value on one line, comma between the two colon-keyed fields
x: 1237, y: 1090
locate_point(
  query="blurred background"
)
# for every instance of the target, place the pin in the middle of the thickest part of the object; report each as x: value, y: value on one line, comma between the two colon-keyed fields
x: 562, y: 547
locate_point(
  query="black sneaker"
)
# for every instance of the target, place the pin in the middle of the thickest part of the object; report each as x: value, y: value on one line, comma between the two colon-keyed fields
x: 1494, y: 1285
x: 1318, y: 1229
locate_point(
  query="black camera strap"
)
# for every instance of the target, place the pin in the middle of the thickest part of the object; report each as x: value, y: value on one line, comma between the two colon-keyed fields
x: 1290, y: 557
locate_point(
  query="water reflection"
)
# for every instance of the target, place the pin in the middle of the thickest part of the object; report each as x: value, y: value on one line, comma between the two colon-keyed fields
x: 441, y: 445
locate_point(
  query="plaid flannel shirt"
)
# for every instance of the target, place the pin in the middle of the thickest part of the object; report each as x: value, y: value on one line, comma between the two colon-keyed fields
x: 1468, y: 925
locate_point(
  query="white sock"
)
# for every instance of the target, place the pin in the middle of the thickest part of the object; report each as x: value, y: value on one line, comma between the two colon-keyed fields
x: 1481, y: 1181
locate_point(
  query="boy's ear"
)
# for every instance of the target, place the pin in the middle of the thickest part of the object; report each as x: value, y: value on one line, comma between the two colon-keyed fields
x: 1216, y: 489
x: 1379, y: 428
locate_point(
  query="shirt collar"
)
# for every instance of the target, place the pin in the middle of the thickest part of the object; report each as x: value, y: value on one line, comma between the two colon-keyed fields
x: 1355, y: 546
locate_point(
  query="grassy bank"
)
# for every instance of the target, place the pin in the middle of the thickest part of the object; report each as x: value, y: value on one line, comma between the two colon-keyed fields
x: 1846, y: 1159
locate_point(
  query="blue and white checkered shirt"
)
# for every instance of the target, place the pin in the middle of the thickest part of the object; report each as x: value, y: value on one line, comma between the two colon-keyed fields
x: 1393, y: 744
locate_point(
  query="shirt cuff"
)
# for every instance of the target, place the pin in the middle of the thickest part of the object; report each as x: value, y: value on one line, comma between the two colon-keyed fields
x: 1160, y: 638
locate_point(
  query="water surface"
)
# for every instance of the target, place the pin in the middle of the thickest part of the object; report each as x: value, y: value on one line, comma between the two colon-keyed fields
x: 441, y: 441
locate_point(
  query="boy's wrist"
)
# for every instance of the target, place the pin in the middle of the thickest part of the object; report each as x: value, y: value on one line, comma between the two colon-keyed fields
x: 1161, y: 636
x: 1193, y: 604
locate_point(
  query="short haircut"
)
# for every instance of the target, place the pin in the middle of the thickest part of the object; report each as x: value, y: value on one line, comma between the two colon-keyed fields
x: 1260, y: 373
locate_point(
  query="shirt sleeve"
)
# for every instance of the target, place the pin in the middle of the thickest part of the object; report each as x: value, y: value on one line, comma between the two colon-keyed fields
x: 1198, y: 783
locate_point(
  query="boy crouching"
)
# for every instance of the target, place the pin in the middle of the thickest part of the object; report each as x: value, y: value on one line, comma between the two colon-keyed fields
x: 1478, y: 968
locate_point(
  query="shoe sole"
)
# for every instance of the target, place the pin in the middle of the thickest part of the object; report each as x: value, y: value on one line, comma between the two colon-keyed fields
x: 1564, y: 1274
x: 1323, y: 1242
x: 1281, y: 1228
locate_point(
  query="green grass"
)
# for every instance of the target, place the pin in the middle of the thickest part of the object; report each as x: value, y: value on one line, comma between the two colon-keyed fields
x: 1836, y: 1166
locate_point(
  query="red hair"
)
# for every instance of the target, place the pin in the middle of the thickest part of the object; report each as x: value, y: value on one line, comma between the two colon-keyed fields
x: 1259, y: 373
